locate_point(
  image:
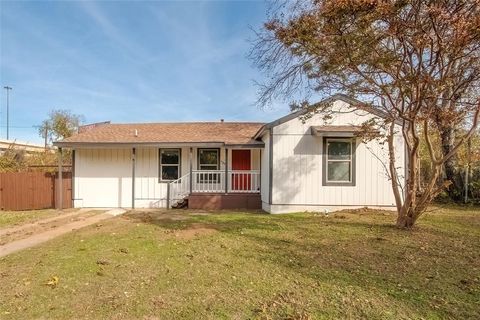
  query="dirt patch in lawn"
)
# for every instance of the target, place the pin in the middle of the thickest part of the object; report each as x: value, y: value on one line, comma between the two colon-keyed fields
x: 193, y: 231
x: 151, y: 216
x: 174, y: 222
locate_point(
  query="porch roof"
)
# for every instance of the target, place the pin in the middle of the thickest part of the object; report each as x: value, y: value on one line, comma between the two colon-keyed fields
x: 169, y: 134
x: 338, y: 131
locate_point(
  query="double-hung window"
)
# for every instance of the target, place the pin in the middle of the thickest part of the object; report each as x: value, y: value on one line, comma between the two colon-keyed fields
x: 209, y: 160
x: 339, y: 162
x: 169, y: 164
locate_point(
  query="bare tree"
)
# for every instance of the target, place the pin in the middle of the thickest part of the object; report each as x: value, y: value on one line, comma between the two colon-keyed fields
x: 418, y: 61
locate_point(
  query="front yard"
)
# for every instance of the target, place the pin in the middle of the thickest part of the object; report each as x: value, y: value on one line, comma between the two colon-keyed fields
x: 238, y: 265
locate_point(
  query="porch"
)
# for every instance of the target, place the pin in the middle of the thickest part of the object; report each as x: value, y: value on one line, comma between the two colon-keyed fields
x: 213, y: 173
x: 199, y: 183
x: 161, y: 176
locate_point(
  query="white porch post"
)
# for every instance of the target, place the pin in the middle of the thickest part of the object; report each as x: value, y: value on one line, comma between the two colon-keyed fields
x: 226, y: 170
x: 191, y: 170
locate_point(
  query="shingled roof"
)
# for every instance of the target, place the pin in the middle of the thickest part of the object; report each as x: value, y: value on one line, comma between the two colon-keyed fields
x: 226, y: 133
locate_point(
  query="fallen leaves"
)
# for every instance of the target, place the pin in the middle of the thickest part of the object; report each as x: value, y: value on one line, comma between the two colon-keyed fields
x: 103, y: 262
x: 52, y: 282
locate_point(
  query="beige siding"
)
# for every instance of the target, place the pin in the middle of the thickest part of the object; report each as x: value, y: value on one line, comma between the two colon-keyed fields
x: 297, y: 167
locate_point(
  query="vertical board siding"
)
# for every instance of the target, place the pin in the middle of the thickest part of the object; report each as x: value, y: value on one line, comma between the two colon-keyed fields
x: 103, y: 178
x: 297, y: 165
x: 33, y: 190
x: 147, y: 185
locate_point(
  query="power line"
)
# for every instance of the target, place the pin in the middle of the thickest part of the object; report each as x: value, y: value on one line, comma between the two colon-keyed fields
x: 30, y: 127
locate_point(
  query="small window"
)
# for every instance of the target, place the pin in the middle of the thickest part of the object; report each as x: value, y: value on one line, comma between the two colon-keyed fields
x: 169, y: 164
x: 339, y: 162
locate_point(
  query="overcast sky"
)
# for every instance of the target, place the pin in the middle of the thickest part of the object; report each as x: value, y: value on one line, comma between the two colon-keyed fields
x: 124, y: 61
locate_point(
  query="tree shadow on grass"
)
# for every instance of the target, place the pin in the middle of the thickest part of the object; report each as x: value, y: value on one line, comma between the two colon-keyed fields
x: 224, y: 222
x: 342, y: 252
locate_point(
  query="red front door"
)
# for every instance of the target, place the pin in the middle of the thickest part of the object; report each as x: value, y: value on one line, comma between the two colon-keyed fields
x: 241, y: 161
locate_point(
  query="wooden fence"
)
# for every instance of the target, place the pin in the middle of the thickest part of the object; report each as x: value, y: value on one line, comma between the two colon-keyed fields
x: 33, y: 190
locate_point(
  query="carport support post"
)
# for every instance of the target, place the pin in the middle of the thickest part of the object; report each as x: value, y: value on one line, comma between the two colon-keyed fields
x: 73, y: 179
x: 60, y: 179
x: 133, y: 178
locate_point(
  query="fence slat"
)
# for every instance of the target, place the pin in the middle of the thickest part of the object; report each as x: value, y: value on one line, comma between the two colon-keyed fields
x: 32, y: 190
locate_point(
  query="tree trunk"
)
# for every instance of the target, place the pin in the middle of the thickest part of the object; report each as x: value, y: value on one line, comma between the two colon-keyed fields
x: 450, y: 166
x: 406, y: 218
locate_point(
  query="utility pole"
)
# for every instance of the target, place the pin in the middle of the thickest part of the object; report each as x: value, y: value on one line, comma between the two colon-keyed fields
x: 46, y: 135
x: 8, y: 126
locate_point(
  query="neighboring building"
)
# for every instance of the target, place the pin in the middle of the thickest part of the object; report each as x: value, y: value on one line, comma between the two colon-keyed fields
x: 287, y: 165
x: 20, y: 145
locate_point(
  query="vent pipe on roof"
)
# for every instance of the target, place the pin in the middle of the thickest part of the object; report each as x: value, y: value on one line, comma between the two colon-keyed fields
x: 136, y: 133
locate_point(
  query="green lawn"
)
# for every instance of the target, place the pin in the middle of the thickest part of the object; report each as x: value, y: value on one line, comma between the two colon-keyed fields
x: 244, y: 265
x: 12, y: 218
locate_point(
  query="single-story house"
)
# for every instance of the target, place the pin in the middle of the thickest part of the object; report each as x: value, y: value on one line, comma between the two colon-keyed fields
x: 288, y: 165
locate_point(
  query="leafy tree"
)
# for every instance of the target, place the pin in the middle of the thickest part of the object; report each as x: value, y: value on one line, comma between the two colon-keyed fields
x: 416, y: 60
x: 60, y: 124
x: 12, y: 160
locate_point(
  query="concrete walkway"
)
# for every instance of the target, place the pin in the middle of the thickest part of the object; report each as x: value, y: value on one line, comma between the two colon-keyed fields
x: 42, y: 237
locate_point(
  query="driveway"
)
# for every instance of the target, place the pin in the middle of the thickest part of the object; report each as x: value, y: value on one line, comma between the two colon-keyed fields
x: 21, y: 237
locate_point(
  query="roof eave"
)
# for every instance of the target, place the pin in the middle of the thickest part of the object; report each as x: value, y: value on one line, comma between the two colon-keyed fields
x: 210, y: 144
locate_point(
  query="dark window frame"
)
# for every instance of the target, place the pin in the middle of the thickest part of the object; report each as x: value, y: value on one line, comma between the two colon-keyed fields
x: 351, y: 183
x: 198, y: 158
x: 214, y: 177
x: 179, y: 165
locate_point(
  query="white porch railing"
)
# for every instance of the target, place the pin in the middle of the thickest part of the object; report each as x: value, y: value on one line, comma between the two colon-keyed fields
x: 178, y: 189
x: 213, y: 181
x: 210, y: 181
x: 244, y: 181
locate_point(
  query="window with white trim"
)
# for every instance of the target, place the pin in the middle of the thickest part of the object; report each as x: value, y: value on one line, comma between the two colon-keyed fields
x: 169, y: 164
x: 339, y: 161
